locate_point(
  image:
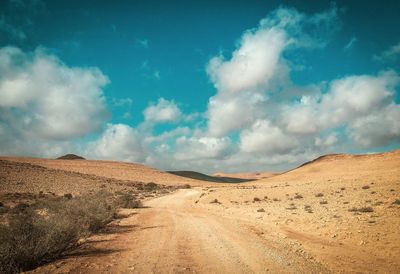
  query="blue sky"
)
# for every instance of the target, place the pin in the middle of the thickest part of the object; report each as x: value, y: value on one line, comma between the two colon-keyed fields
x: 203, y: 85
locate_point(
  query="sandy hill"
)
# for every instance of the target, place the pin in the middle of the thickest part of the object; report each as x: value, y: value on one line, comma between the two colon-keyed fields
x: 247, y: 175
x: 344, y: 167
x: 108, y: 169
x: 343, y: 209
x: 204, y: 177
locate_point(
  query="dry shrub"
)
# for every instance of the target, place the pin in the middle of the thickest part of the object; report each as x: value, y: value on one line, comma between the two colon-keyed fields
x: 30, y: 239
x: 319, y: 195
x: 151, y: 186
x: 128, y: 201
x: 256, y: 199
x: 362, y: 209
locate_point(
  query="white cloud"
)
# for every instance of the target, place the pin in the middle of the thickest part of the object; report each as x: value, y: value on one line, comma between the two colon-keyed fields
x: 356, y: 96
x: 329, y: 141
x: 42, y: 97
x: 257, y: 69
x: 234, y: 113
x: 162, y: 112
x: 378, y: 128
x: 345, y: 101
x: 252, y: 65
x: 263, y: 137
x: 202, y: 147
x: 118, y: 142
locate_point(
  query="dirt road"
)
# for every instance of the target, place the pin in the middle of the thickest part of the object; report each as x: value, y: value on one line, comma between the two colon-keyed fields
x: 174, y: 234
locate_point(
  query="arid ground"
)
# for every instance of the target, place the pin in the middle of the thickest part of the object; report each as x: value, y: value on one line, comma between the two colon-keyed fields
x: 336, y: 214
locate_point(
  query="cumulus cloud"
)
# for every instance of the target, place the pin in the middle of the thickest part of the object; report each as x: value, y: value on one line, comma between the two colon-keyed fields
x: 162, y: 112
x: 257, y: 69
x: 203, y: 147
x: 344, y: 102
x: 264, y: 138
x: 378, y: 128
x: 118, y: 142
x: 42, y: 97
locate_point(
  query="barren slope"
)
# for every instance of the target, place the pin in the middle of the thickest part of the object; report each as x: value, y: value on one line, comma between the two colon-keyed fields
x: 342, y: 210
x: 338, y: 214
x: 109, y: 169
x: 344, y: 167
x: 247, y: 175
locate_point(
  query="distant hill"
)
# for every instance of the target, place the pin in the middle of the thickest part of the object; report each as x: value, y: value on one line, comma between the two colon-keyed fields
x: 344, y: 166
x: 109, y: 169
x: 204, y: 177
x: 247, y: 175
x: 70, y: 157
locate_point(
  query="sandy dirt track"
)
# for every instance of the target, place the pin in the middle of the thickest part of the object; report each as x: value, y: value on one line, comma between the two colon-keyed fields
x: 174, y: 235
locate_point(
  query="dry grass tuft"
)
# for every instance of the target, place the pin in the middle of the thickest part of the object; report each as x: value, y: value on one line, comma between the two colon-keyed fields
x: 29, y: 239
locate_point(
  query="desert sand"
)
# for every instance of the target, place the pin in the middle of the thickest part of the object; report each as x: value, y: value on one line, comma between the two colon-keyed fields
x: 247, y: 175
x: 337, y: 214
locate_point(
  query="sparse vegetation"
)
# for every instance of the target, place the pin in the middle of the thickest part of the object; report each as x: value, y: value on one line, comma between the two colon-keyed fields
x: 261, y: 210
x: 292, y: 206
x: 127, y: 200
x: 186, y: 186
x: 323, y: 202
x: 319, y: 195
x: 150, y: 186
x: 361, y: 209
x: 396, y: 202
x: 308, y: 208
x: 298, y: 196
x: 256, y: 199
x: 68, y: 196
x: 365, y: 187
x: 40, y: 232
x: 215, y: 201
x: 275, y: 200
